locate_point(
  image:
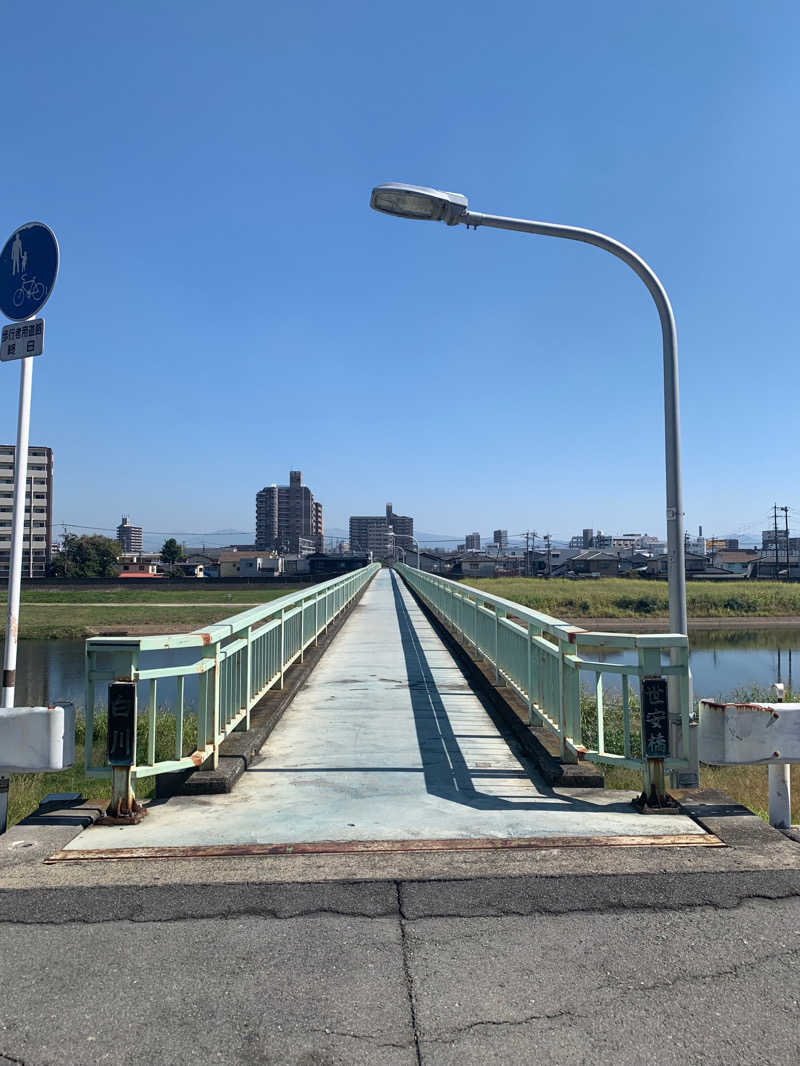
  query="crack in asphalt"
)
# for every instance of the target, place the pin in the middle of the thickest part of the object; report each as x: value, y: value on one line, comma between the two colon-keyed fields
x: 498, y: 1022
x: 603, y: 908
x: 368, y: 1037
x: 409, y: 980
x: 700, y: 978
x: 401, y: 909
x: 10, y: 1058
x: 223, y: 915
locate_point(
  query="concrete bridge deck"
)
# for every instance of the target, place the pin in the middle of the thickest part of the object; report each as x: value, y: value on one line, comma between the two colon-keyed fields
x: 386, y: 741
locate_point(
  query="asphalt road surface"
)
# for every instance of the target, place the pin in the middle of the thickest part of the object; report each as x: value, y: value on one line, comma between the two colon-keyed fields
x: 628, y: 969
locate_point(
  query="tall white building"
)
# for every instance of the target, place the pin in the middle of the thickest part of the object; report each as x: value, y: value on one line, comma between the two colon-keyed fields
x: 37, y: 541
x: 129, y: 536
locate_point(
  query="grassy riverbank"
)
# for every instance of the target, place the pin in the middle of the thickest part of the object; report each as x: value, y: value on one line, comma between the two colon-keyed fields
x: 635, y: 598
x: 187, y: 591
x: 81, y: 612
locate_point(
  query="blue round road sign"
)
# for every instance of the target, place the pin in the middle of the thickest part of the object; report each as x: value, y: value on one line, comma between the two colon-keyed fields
x: 28, y: 268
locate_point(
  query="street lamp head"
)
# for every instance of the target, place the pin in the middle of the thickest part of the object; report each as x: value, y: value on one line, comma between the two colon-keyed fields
x: 416, y: 201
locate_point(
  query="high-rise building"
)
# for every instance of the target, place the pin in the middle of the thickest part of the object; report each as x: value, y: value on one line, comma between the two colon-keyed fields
x: 473, y: 542
x: 130, y: 537
x: 287, y: 513
x: 380, y: 533
x: 37, y: 541
x: 500, y: 538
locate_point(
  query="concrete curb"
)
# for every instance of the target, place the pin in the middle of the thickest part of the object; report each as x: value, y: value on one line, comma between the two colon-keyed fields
x: 239, y: 749
x: 538, y: 743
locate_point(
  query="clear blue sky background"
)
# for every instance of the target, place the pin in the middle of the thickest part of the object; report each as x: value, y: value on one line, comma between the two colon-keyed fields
x: 228, y: 306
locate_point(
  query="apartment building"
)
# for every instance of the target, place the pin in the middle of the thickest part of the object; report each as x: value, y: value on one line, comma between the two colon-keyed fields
x: 285, y: 514
x: 37, y: 542
x: 473, y: 542
x: 130, y: 537
x: 380, y: 534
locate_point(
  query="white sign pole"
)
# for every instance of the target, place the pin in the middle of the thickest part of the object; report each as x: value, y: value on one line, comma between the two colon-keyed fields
x: 15, y: 563
x: 18, y: 524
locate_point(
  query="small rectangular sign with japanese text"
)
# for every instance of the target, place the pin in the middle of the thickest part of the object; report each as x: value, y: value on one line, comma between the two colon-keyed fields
x: 122, y: 723
x: 655, y: 718
x: 21, y: 339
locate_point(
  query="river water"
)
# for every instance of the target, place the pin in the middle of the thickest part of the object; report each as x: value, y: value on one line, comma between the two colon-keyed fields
x: 722, y: 660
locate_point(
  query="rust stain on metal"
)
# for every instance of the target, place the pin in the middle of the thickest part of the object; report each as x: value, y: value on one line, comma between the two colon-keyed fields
x: 206, y: 638
x: 198, y: 758
x: 376, y: 847
x: 766, y: 708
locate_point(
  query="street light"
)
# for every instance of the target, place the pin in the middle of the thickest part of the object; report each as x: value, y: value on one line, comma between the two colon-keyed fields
x: 417, y: 544
x: 420, y: 202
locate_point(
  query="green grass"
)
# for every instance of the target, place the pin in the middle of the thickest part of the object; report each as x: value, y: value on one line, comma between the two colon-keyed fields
x: 635, y: 598
x: 27, y: 790
x: 69, y: 620
x: 188, y: 591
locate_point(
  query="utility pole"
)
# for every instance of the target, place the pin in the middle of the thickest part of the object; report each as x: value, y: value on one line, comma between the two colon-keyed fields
x: 549, y: 559
x: 786, y: 522
x: 775, y: 532
x: 530, y: 544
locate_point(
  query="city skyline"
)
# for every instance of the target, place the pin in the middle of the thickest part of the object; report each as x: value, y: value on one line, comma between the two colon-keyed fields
x: 554, y: 343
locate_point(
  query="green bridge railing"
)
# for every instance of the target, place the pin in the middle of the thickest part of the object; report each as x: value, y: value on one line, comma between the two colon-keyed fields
x: 542, y: 659
x: 235, y: 661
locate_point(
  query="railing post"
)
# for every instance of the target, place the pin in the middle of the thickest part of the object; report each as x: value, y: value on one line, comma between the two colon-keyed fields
x: 530, y: 674
x: 215, y: 711
x: 569, y: 715
x: 248, y: 690
x: 499, y: 613
x: 316, y: 619
x: 88, y: 712
x: 283, y: 644
x: 302, y: 630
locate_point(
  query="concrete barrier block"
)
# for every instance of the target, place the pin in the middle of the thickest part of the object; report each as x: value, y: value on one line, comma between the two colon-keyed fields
x: 36, y: 739
x: 749, y: 733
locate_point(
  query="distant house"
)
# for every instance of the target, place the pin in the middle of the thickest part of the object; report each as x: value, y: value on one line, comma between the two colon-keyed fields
x: 428, y: 561
x: 736, y: 562
x: 695, y: 564
x: 593, y: 561
x: 472, y: 565
x: 139, y: 564
x: 231, y: 563
x: 260, y: 566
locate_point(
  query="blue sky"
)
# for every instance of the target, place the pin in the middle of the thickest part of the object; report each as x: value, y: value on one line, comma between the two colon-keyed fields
x: 228, y: 306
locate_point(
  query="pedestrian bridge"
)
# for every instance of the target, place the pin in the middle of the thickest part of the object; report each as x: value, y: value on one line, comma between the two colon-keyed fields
x: 387, y: 745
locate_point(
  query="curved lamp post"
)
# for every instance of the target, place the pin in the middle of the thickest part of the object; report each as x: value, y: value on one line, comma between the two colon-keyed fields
x: 418, y: 202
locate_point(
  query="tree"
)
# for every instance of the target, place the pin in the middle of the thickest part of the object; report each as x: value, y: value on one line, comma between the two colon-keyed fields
x: 94, y: 556
x: 171, y: 553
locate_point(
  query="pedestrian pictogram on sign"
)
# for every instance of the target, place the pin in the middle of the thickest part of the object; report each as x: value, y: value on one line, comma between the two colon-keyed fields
x: 28, y: 268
